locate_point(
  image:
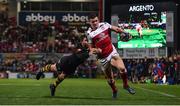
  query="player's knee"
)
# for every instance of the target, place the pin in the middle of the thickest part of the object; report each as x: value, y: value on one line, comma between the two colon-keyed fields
x: 61, y: 76
x: 111, y: 81
x: 53, y: 67
x: 123, y: 70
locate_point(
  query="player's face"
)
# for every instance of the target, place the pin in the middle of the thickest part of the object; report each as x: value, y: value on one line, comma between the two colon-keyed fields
x: 84, y: 42
x: 94, y: 22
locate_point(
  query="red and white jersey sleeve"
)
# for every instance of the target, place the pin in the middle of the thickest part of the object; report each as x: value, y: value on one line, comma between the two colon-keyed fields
x: 100, y: 38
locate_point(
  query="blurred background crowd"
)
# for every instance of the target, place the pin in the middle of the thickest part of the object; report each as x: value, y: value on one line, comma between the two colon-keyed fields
x: 37, y: 37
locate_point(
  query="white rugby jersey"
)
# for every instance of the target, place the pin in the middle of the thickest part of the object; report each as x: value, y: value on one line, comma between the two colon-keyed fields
x: 100, y: 38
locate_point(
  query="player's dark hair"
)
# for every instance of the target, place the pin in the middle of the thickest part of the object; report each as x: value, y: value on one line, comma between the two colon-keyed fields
x: 93, y: 15
x: 82, y: 37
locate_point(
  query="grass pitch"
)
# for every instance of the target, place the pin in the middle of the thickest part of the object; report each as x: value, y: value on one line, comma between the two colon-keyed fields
x: 84, y: 92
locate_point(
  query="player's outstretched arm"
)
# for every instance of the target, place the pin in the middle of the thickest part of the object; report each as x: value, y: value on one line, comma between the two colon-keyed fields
x: 124, y: 36
x: 117, y: 29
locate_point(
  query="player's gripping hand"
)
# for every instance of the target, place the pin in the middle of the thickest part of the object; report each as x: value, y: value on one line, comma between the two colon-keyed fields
x: 125, y: 36
x: 95, y: 50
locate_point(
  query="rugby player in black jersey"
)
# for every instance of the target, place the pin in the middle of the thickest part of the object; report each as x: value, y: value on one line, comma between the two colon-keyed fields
x: 68, y: 64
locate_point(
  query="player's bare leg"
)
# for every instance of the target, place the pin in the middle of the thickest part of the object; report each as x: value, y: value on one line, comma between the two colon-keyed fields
x: 140, y: 34
x: 117, y: 62
x: 110, y: 79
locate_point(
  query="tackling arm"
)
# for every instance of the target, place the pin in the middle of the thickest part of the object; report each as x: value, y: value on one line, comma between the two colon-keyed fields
x: 93, y: 50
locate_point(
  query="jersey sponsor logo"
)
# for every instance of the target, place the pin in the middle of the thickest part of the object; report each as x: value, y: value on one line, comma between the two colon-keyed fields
x: 100, y: 37
x: 102, y: 28
x: 99, y: 30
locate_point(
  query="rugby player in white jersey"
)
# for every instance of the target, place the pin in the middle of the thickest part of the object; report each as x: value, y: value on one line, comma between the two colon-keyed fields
x: 139, y: 29
x: 99, y: 36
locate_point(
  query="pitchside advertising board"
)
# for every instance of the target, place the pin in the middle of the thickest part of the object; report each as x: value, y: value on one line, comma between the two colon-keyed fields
x: 151, y: 26
x: 27, y: 56
x: 72, y: 19
x: 143, y: 52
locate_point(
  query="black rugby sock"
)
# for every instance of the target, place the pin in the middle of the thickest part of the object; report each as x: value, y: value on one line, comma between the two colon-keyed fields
x: 57, y: 82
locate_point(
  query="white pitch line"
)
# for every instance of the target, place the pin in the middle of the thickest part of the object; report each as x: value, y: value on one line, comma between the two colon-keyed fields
x: 20, y: 84
x: 158, y: 92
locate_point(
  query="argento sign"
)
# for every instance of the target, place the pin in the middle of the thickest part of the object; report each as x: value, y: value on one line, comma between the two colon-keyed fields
x: 141, y: 8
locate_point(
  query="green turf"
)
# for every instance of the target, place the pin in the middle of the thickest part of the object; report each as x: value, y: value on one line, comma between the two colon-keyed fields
x: 84, y: 91
x: 151, y: 38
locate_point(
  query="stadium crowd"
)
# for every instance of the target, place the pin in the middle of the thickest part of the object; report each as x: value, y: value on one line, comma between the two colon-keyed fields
x: 165, y: 70
x: 43, y: 37
x: 36, y: 37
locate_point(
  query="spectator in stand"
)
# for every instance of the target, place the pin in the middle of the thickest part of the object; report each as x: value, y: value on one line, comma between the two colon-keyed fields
x: 178, y: 68
x: 128, y: 64
x: 157, y: 74
x: 170, y: 71
x: 51, y: 40
x: 93, y: 68
x: 175, y: 60
x: 134, y: 72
